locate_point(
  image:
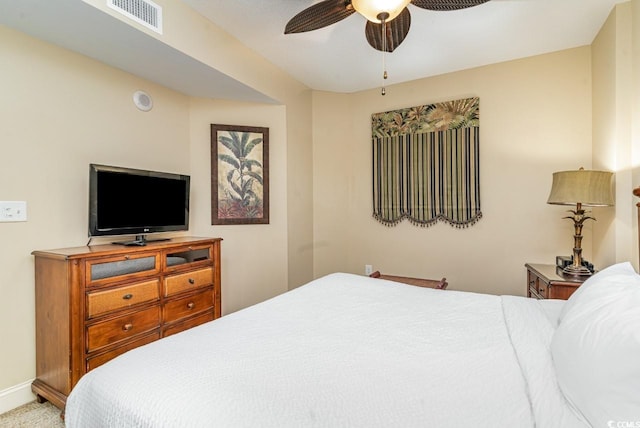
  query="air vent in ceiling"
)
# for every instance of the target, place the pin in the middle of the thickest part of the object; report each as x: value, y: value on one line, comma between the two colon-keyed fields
x: 144, y: 12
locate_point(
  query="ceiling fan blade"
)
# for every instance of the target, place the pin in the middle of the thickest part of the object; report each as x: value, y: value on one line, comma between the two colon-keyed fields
x: 397, y: 30
x: 446, y: 4
x: 319, y: 15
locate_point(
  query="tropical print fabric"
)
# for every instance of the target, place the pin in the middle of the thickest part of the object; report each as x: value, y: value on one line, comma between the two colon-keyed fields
x: 426, y: 164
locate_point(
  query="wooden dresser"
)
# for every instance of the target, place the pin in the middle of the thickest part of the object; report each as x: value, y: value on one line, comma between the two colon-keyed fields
x: 95, y: 303
x: 548, y: 282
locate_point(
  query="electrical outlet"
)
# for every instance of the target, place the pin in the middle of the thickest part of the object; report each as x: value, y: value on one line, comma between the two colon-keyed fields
x: 13, y: 211
x: 368, y: 270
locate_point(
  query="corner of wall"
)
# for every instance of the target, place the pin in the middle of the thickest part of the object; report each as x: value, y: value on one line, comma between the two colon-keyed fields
x: 613, y: 132
x: 16, y: 396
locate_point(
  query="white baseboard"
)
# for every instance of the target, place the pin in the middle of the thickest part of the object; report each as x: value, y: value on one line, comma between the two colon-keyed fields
x: 16, y: 396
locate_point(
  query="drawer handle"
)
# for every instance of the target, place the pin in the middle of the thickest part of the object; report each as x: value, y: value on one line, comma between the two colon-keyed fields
x: 127, y: 296
x: 192, y: 281
x: 191, y: 305
x: 127, y: 327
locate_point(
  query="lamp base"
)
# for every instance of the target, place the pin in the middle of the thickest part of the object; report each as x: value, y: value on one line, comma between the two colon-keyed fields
x: 577, y: 270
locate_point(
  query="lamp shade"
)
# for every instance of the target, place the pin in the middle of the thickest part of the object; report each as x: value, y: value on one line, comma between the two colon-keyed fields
x: 591, y: 188
x: 370, y: 9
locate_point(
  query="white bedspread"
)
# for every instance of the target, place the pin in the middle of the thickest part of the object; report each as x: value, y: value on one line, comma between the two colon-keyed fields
x: 341, y: 351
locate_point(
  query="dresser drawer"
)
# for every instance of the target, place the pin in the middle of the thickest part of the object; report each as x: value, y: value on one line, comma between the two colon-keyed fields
x: 121, y: 328
x: 124, y: 267
x: 188, y: 281
x: 543, y: 288
x: 100, y: 302
x: 99, y: 360
x: 549, y: 282
x: 191, y: 322
x: 192, y: 257
x: 187, y: 306
x: 537, y: 287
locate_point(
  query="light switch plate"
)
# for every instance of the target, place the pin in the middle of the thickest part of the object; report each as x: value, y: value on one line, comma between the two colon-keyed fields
x: 13, y: 211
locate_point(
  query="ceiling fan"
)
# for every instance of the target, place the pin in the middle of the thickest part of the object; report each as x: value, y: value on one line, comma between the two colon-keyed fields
x: 388, y: 21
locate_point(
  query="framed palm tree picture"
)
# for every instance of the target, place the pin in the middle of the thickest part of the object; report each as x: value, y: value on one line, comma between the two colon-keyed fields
x: 239, y: 174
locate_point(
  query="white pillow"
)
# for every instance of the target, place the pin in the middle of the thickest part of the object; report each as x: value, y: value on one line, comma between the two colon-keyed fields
x: 604, y: 275
x: 596, y: 348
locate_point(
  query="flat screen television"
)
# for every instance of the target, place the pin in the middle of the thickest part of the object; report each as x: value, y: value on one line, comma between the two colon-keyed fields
x: 127, y: 201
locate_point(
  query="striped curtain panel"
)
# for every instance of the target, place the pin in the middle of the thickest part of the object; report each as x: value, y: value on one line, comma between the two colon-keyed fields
x: 429, y: 176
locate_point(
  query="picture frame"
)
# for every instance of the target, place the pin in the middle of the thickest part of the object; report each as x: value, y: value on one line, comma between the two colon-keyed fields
x: 239, y: 174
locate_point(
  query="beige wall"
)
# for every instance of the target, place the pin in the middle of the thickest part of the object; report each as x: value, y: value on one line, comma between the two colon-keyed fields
x: 254, y: 257
x: 635, y: 126
x: 605, y: 133
x: 546, y: 103
x: 616, y: 133
x: 535, y: 118
x: 60, y: 111
x: 245, y: 65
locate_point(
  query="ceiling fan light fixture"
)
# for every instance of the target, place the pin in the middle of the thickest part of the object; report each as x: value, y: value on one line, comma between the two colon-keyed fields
x: 371, y: 9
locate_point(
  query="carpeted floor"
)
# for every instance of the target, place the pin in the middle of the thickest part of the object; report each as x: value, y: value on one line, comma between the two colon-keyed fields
x: 32, y: 415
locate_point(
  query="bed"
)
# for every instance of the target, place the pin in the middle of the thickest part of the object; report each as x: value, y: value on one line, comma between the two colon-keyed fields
x: 351, y: 351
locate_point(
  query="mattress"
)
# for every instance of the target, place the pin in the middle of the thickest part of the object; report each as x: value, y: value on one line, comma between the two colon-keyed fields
x: 341, y: 351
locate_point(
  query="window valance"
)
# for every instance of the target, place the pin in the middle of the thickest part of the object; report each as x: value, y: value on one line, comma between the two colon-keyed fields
x: 426, y: 164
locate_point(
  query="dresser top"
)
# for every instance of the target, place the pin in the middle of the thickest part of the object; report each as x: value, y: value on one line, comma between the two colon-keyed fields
x: 105, y: 249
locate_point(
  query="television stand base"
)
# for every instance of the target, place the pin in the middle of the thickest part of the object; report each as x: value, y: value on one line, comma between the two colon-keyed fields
x: 140, y: 241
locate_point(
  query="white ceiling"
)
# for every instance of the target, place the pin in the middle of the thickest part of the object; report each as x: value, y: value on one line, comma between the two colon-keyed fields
x: 336, y: 58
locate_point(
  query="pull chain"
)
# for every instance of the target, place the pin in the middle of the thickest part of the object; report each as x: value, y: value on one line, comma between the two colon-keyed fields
x: 384, y: 50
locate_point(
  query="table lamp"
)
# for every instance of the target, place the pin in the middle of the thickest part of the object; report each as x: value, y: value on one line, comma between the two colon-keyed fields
x: 581, y: 187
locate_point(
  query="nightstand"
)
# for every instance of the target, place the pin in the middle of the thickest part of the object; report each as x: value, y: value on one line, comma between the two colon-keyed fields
x: 549, y: 282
